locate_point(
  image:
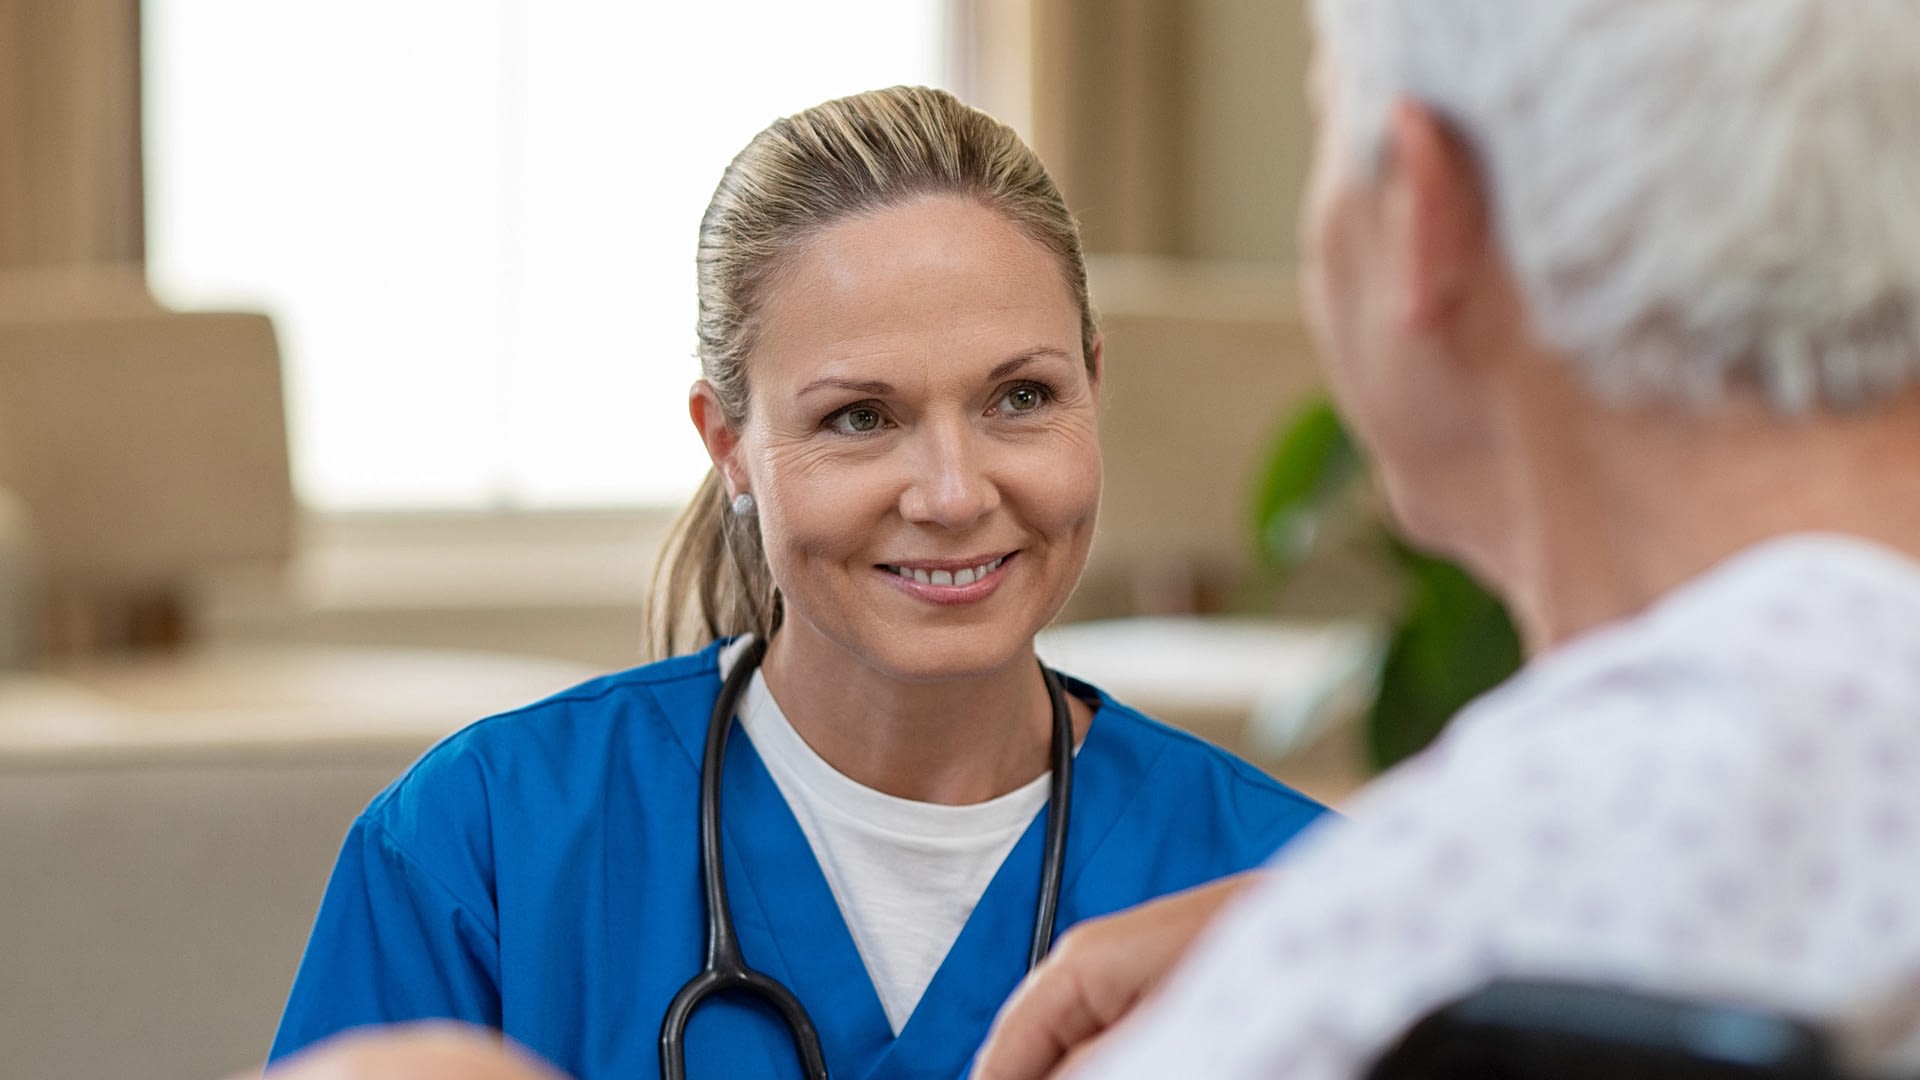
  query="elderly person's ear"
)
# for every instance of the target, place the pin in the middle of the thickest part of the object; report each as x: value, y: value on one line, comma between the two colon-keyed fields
x: 1438, y: 214
x: 430, y: 1051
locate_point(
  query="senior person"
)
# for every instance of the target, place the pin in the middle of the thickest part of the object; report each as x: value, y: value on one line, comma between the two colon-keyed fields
x: 1624, y: 298
x: 899, y: 393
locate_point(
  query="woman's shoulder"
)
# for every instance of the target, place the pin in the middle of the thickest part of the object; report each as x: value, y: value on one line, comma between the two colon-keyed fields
x: 550, y: 743
x: 1165, y: 809
x: 1180, y: 764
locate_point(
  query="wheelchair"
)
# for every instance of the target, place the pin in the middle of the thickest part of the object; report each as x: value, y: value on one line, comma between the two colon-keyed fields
x: 1525, y: 1029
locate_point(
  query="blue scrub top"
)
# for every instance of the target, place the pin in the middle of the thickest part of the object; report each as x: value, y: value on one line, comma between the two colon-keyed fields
x: 538, y: 873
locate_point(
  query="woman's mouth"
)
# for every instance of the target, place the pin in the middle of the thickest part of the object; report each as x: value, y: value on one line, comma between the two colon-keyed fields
x: 950, y: 581
x: 965, y: 575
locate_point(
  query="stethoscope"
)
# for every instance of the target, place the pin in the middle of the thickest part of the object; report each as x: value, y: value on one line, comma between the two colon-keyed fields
x: 726, y: 971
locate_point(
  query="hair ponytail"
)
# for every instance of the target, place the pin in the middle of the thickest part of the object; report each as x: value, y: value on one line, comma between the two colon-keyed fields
x: 712, y: 580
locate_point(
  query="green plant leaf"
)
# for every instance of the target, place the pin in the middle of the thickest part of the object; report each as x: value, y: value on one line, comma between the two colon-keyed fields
x: 1313, y: 461
x: 1455, y: 643
x: 1453, y: 640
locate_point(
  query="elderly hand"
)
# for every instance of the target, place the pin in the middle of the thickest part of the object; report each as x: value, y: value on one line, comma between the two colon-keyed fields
x: 1096, y: 974
x: 429, y: 1051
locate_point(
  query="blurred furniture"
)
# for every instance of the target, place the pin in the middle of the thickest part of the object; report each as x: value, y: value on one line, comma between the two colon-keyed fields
x: 147, y: 447
x: 167, y: 826
x: 170, y: 808
x: 1284, y: 694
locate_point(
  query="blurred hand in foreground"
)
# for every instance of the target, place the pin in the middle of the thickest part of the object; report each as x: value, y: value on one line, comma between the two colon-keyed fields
x: 429, y: 1051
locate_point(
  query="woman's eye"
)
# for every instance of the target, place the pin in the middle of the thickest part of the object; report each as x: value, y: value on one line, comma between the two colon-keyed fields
x: 857, y: 421
x: 1024, y: 398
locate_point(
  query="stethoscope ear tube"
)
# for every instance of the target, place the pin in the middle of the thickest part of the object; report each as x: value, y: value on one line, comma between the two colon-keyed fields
x: 1059, y: 800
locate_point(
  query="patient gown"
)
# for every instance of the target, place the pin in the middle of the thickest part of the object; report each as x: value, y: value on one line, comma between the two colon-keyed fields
x: 538, y: 873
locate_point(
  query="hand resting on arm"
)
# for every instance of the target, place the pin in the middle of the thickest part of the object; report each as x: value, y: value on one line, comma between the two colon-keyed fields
x: 1096, y: 974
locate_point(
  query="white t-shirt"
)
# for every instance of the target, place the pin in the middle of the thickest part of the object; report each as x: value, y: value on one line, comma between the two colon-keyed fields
x: 1719, y: 797
x: 906, y: 874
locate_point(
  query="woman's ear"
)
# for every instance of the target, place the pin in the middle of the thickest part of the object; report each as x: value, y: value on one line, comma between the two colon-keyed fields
x: 722, y: 441
x: 1097, y: 361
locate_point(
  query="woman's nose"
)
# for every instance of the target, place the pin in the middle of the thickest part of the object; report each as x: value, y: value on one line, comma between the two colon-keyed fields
x: 951, y: 486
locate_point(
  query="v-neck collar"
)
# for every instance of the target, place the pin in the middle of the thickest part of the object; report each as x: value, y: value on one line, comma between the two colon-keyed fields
x: 779, y: 894
x: 781, y: 901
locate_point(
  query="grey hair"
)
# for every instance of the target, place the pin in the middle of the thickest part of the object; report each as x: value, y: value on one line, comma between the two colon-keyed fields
x: 1694, y: 195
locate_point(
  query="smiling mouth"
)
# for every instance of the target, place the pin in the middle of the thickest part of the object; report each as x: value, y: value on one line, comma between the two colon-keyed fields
x: 965, y: 575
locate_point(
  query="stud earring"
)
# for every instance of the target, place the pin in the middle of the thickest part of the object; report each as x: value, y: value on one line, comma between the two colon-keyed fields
x: 743, y: 505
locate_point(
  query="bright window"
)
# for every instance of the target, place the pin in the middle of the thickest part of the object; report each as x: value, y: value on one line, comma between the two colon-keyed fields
x: 474, y: 220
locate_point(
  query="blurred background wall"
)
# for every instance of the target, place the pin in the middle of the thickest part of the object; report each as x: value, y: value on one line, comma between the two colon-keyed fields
x: 1178, y: 128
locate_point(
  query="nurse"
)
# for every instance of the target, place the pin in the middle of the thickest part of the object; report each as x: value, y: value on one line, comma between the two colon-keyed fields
x: 900, y: 399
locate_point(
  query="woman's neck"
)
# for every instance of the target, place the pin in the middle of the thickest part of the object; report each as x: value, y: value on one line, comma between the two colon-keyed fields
x: 954, y: 741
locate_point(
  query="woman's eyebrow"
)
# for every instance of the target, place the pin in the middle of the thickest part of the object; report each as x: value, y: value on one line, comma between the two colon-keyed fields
x: 858, y: 386
x: 878, y: 387
x: 1022, y: 359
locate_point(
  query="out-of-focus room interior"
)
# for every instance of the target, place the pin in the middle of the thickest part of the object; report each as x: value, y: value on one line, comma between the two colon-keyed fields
x: 249, y: 340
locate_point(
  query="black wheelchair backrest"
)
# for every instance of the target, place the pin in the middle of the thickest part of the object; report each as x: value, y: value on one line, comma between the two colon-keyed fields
x: 1526, y: 1029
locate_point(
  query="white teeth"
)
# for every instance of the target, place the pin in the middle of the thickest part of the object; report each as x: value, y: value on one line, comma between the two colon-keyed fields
x: 949, y: 577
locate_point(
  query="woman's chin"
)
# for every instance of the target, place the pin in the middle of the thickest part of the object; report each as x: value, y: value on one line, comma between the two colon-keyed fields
x: 950, y: 658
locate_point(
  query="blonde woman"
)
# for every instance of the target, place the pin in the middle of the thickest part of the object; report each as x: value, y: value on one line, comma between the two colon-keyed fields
x: 900, y: 398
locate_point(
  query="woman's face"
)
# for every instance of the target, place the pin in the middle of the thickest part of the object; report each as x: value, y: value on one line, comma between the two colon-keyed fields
x: 921, y: 440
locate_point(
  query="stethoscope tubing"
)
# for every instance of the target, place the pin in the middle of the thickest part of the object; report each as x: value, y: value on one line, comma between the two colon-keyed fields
x: 726, y: 970
x: 1053, y: 861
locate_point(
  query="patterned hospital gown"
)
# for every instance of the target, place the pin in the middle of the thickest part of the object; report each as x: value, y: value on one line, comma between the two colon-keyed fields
x: 1720, y: 796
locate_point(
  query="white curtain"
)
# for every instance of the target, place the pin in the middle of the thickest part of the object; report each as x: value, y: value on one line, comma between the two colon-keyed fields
x: 474, y: 220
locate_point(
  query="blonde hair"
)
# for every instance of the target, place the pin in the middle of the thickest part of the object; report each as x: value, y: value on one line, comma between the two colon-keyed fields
x: 846, y: 157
